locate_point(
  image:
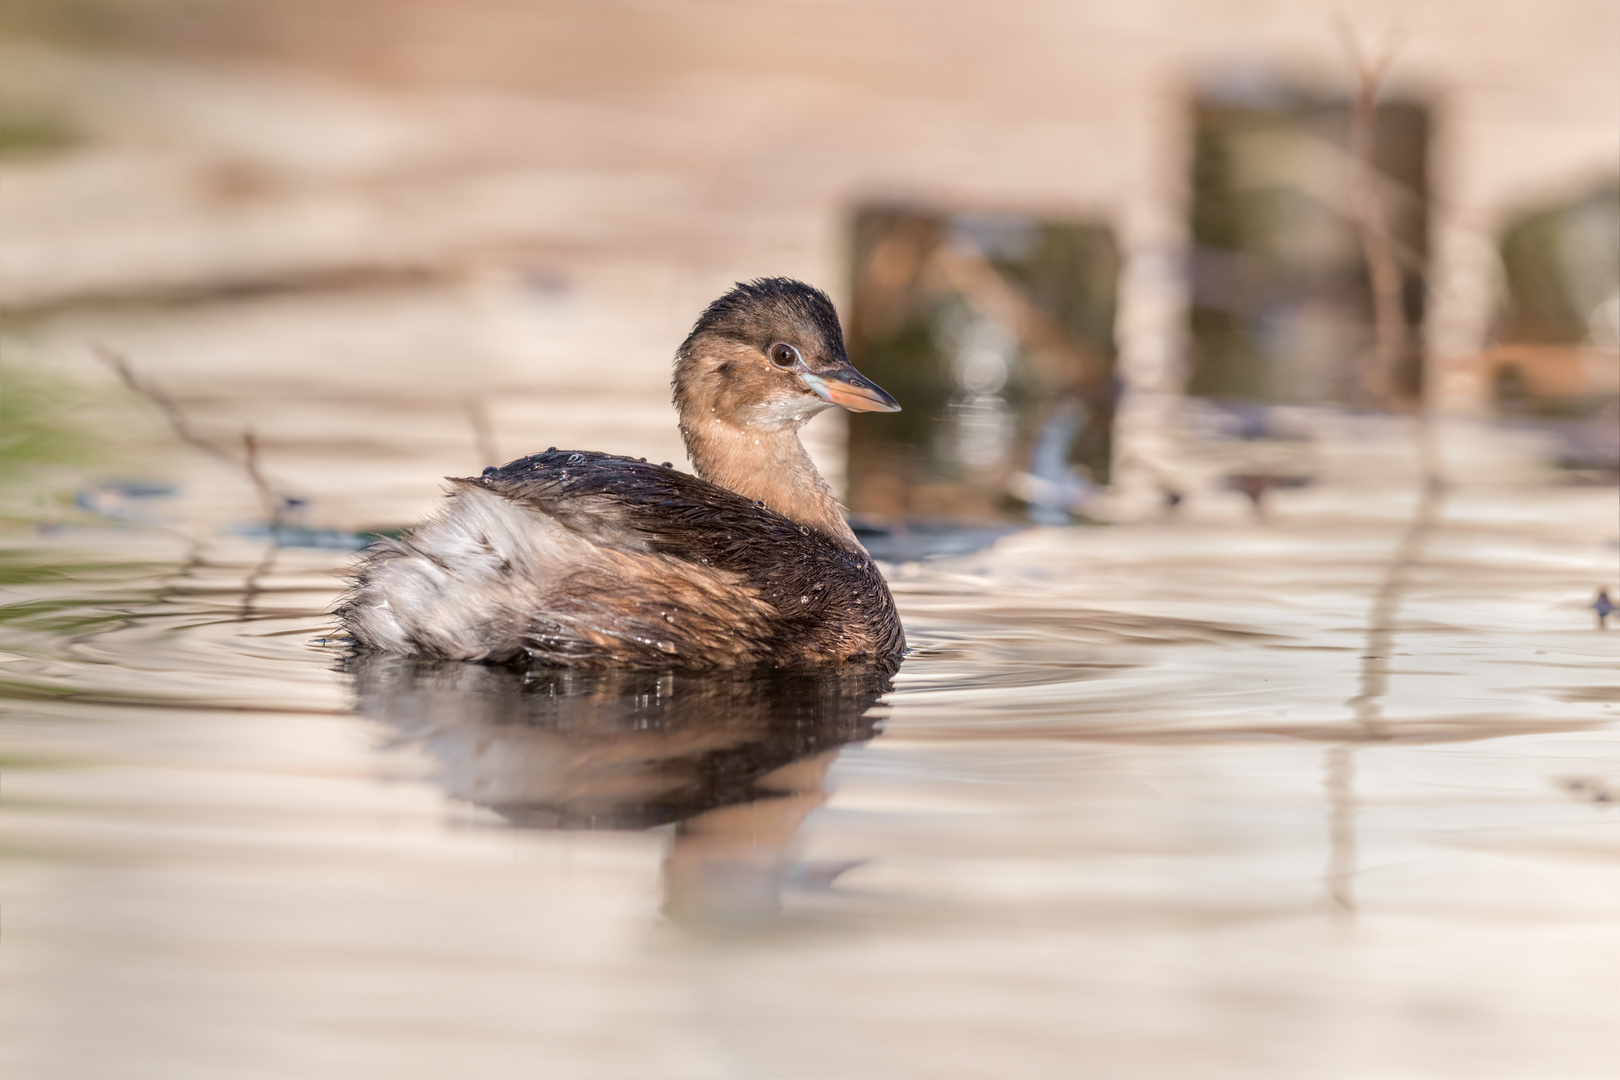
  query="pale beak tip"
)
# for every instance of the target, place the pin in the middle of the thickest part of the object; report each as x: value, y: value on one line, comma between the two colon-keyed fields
x: 853, y: 392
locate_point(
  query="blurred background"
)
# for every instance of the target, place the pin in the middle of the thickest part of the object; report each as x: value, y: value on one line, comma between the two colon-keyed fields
x: 1256, y: 479
x: 1111, y: 256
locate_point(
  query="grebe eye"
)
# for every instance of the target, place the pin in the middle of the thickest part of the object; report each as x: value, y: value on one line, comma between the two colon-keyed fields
x: 784, y: 355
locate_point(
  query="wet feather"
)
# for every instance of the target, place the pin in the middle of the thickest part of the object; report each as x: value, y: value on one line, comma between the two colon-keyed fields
x: 587, y: 559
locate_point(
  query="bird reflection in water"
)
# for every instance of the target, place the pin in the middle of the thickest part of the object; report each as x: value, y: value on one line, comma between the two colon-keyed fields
x: 736, y: 760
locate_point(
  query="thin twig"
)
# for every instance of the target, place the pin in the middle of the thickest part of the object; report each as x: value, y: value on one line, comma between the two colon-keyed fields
x: 1373, y: 680
x: 1390, y: 333
x: 275, y: 503
x: 1391, y: 340
x: 251, y: 587
x: 171, y: 411
x: 987, y: 289
x: 483, y: 430
x: 1340, y: 873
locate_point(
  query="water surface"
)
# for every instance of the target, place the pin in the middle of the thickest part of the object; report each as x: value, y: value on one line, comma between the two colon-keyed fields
x: 1141, y: 802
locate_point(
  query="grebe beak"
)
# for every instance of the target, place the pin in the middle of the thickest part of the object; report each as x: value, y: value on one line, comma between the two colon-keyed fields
x: 845, y: 386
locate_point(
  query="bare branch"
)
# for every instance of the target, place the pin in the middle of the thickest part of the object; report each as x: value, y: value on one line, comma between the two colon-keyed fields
x: 987, y: 289
x: 1390, y: 332
x: 483, y: 430
x: 275, y: 503
x: 171, y: 411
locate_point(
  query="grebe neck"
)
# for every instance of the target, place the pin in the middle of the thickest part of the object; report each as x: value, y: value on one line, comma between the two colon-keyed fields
x: 767, y: 465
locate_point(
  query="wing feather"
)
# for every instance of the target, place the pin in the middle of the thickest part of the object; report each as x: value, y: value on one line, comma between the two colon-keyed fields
x: 580, y: 558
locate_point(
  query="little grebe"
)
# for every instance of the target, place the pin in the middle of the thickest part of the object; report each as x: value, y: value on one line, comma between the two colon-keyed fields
x: 589, y: 560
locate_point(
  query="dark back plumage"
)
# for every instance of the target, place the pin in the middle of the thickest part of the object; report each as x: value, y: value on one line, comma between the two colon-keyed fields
x: 822, y: 601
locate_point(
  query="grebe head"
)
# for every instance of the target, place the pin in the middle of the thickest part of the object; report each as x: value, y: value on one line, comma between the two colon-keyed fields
x: 769, y: 355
